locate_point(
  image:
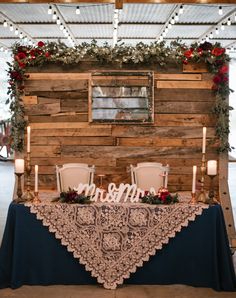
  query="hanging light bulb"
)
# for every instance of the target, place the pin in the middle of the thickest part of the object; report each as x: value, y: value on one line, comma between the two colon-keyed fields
x: 229, y: 22
x: 2, y: 49
x: 58, y: 21
x: 169, y: 25
x: 5, y: 23
x: 220, y: 10
x: 21, y: 35
x: 64, y: 30
x: 77, y: 11
x: 30, y: 42
x: 172, y: 21
x: 217, y: 31
x: 25, y: 38
x: 222, y: 27
x: 54, y: 16
x: 61, y: 27
x: 181, y: 9
x: 211, y: 35
x: 164, y: 34
x: 207, y: 38
x: 16, y: 31
x: 50, y: 9
x: 166, y: 30
x: 161, y: 38
x: 11, y: 27
x: 176, y: 16
x: 66, y: 34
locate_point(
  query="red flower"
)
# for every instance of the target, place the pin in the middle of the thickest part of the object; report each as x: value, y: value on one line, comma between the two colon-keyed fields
x: 40, y: 44
x: 214, y: 87
x: 199, y: 50
x: 21, y: 55
x: 47, y: 54
x: 22, y: 65
x: 225, y: 79
x: 218, y: 51
x: 224, y: 69
x: 188, y: 53
x: 217, y: 79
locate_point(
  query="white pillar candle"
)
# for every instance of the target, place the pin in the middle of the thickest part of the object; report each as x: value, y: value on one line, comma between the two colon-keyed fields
x: 212, y: 167
x: 28, y: 138
x: 36, y: 171
x: 166, y: 176
x: 204, y: 140
x: 194, y: 179
x: 19, y: 166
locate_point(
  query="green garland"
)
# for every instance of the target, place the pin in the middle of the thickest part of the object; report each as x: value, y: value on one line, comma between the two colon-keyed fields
x: 156, y: 53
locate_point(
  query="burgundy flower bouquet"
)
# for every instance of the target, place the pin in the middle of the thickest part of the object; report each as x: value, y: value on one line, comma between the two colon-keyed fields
x: 72, y: 197
x: 162, y: 197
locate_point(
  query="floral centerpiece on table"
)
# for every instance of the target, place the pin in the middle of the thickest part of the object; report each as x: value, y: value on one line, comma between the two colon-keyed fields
x: 162, y: 197
x: 73, y: 197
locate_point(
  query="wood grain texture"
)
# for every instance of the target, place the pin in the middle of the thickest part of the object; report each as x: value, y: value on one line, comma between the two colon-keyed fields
x: 185, y: 84
x: 58, y: 76
x: 177, y: 77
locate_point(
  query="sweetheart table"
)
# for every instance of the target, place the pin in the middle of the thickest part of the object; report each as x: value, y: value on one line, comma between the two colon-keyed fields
x: 112, y: 244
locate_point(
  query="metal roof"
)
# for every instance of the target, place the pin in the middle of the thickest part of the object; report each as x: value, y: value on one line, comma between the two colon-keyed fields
x: 137, y: 22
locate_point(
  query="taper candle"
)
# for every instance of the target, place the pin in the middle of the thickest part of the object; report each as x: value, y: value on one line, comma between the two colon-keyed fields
x: 194, y: 179
x: 36, y: 171
x: 204, y: 140
x: 211, y: 167
x: 28, y: 138
x: 166, y: 176
x: 19, y: 166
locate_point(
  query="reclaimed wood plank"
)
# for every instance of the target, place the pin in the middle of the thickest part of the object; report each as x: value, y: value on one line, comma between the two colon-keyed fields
x: 80, y: 132
x: 183, y: 107
x: 184, y: 95
x: 57, y: 85
x: 58, y: 76
x: 42, y: 109
x: 184, y: 120
x: 195, y: 67
x: 185, y: 84
x: 60, y: 117
x: 30, y: 100
x: 67, y: 125
x: 178, y: 77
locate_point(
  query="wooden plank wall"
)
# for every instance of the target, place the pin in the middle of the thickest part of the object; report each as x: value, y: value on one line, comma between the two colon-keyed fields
x: 56, y: 104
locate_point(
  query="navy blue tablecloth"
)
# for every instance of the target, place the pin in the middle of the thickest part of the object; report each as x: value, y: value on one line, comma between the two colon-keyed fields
x: 198, y: 256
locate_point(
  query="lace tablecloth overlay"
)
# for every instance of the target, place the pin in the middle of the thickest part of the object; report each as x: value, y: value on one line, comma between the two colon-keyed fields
x: 112, y: 240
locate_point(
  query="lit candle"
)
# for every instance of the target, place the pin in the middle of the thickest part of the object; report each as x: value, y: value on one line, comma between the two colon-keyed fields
x: 204, y: 140
x: 212, y: 167
x: 194, y: 179
x: 19, y: 166
x: 28, y: 138
x: 36, y: 171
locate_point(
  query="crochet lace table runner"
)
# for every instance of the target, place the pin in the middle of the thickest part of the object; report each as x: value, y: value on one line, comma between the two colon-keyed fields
x: 112, y: 240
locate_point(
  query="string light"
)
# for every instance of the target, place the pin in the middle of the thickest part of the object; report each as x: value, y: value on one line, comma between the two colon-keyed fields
x: 58, y: 21
x: 181, y: 9
x: 54, y: 16
x: 61, y: 27
x: 220, y: 10
x: 235, y: 17
x: 207, y: 38
x: 25, y: 38
x: 229, y: 22
x: 77, y: 11
x: 169, y: 25
x: 217, y: 31
x: 211, y: 35
x: 5, y: 23
x: 21, y: 35
x: 16, y: 31
x: 11, y: 27
x: 176, y: 17
x: 222, y: 27
x: 172, y: 21
x: 2, y: 49
x: 50, y: 9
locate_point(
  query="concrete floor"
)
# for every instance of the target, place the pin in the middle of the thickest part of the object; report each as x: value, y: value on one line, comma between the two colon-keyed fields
x: 126, y: 291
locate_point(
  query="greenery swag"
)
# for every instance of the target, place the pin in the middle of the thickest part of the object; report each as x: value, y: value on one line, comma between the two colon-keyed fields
x: 156, y: 53
x: 73, y: 197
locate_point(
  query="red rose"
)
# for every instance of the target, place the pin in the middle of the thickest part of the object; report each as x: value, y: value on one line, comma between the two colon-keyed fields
x: 188, y: 54
x: 185, y: 61
x: 217, y: 51
x: 22, y: 65
x: 224, y: 69
x: 40, y: 44
x: 217, y: 79
x: 225, y: 79
x: 21, y: 55
x: 200, y: 50
x: 47, y: 54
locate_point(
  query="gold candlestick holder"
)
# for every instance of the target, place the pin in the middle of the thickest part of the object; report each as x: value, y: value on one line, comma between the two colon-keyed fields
x: 193, y: 199
x: 36, y: 199
x: 19, y: 189
x: 202, y: 195
x: 211, y: 195
x: 28, y: 196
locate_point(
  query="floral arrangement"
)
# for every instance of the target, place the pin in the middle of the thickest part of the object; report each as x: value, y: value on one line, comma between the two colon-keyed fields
x: 213, y: 55
x: 73, y: 197
x: 162, y: 197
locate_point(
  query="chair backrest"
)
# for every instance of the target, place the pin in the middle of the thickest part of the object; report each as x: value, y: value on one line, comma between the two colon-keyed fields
x: 70, y: 175
x: 148, y: 175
